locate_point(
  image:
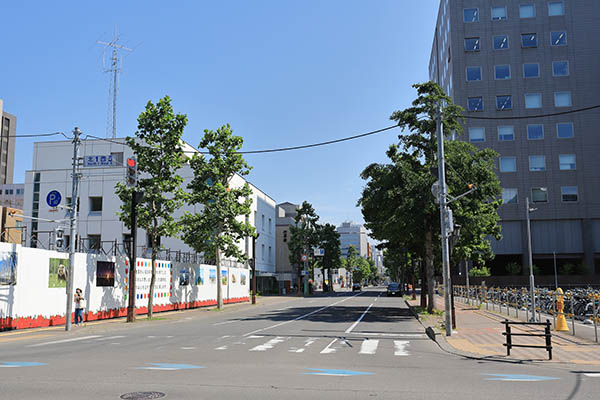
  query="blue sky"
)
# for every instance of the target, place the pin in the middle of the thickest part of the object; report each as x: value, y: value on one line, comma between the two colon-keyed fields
x: 282, y: 73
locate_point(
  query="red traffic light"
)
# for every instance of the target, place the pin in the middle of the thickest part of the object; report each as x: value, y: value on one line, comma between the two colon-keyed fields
x: 131, y: 162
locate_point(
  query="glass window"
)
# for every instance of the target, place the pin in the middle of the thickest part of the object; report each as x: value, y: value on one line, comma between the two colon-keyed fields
x: 506, y: 133
x: 539, y: 195
x: 477, y: 134
x: 95, y: 204
x: 527, y: 11
x: 94, y: 242
x: 556, y: 8
x: 473, y: 73
x: 472, y: 44
x: 535, y: 132
x: 531, y: 70
x: 504, y: 103
x: 509, y: 196
x: 475, y: 103
x: 508, y: 164
x: 564, y: 130
x: 498, y: 13
x: 562, y: 99
x: 529, y: 40
x: 558, y: 38
x: 537, y: 163
x: 560, y: 68
x: 569, y: 193
x: 502, y: 71
x: 471, y: 15
x: 533, y: 100
x: 500, y: 42
x: 566, y: 162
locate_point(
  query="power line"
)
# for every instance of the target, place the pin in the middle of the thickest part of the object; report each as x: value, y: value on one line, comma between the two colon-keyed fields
x: 38, y: 135
x: 535, y: 116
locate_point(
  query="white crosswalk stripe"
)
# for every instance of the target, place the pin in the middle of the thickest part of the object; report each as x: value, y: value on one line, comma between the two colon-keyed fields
x: 369, y: 346
x: 268, y: 345
x: 400, y: 347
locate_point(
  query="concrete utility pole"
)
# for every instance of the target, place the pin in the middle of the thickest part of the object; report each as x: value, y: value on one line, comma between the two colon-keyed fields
x: 305, y: 280
x: 530, y: 254
x: 133, y: 258
x: 254, y: 268
x: 73, y: 237
x: 443, y: 219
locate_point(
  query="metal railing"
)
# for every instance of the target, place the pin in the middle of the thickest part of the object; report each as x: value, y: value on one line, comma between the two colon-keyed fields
x: 509, y: 334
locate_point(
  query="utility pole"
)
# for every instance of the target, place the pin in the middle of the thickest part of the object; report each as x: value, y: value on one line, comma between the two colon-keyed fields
x: 530, y: 254
x: 305, y: 277
x: 443, y: 219
x: 254, y: 268
x: 74, y: 203
x: 133, y: 257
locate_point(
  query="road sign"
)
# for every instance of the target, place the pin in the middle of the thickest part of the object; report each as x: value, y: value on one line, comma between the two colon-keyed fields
x: 53, y: 198
x: 319, y: 252
x: 304, y: 273
x: 303, y: 257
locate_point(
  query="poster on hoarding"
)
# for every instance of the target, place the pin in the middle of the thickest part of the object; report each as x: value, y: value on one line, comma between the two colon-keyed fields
x: 58, y: 270
x: 8, y: 268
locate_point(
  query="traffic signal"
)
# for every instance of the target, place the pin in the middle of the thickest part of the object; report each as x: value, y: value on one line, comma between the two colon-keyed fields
x: 59, y: 238
x: 131, y: 177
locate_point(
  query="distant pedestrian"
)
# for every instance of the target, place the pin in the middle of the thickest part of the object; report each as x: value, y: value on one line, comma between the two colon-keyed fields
x: 79, y: 306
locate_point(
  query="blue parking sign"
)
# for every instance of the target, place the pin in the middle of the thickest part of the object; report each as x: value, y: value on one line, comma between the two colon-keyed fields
x: 53, y: 199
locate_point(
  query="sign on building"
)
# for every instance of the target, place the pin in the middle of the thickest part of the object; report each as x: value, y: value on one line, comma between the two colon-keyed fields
x: 98, y: 161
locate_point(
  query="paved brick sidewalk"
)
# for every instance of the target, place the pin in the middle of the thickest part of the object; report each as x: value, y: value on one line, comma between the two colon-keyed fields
x: 479, y: 332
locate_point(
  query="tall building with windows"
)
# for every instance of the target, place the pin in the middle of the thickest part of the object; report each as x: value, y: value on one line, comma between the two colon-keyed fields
x: 8, y: 128
x: 353, y: 235
x: 525, y: 71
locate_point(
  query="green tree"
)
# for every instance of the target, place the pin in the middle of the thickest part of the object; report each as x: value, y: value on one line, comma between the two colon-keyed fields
x: 304, y: 235
x: 330, y: 242
x: 157, y: 146
x: 221, y: 224
x: 397, y: 203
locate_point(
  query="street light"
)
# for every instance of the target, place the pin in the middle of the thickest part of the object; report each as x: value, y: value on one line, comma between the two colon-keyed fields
x: 528, y: 210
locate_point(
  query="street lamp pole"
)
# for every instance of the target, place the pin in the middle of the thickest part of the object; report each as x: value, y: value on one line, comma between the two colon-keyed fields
x: 530, y: 254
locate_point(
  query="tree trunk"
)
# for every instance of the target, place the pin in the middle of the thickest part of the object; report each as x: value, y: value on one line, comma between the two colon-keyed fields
x: 219, y: 280
x: 413, y: 273
x: 429, y: 271
x: 423, y: 286
x: 153, y: 278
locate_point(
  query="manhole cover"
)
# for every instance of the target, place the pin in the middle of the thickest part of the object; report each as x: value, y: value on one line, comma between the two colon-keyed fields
x: 142, y: 395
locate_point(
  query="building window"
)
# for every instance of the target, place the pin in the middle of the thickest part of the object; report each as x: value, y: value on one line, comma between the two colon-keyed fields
x: 503, y: 103
x: 527, y: 11
x: 270, y: 225
x: 508, y: 164
x: 528, y: 40
x: 471, y: 15
x: 117, y: 158
x: 533, y: 100
x: 96, y: 205
x: 558, y: 38
x: 94, y: 242
x: 531, y: 70
x: 262, y: 252
x: 473, y: 73
x: 569, y: 193
x: 270, y: 255
x: 560, y: 68
x: 284, y: 236
x: 509, y: 196
x: 475, y: 103
x: 556, y: 8
x: 500, y: 42
x: 476, y: 134
x: 535, y: 132
x: 562, y: 99
x: 506, y: 133
x: 501, y: 72
x: 263, y: 222
x: 539, y: 195
x: 564, y: 130
x: 498, y: 13
x: 472, y: 44
x: 566, y: 162
x: 537, y: 163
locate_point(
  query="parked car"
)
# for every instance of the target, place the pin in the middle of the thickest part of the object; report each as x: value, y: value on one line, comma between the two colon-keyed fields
x: 356, y: 286
x: 393, y: 289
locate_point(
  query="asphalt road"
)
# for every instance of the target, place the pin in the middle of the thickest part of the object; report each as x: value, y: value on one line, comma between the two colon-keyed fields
x: 345, y: 346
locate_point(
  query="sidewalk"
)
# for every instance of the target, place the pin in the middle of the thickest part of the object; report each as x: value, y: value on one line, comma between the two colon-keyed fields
x: 479, y: 333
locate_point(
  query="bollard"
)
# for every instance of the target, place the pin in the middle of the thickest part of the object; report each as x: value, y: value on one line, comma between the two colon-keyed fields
x: 595, y: 316
x: 561, y: 321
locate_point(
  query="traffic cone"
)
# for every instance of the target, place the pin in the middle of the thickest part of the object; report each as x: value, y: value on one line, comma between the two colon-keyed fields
x: 561, y: 321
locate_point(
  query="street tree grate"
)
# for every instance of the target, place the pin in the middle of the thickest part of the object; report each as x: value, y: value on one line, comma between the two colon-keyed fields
x: 142, y: 395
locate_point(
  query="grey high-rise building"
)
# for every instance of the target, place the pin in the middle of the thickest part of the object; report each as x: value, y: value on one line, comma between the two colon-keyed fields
x: 8, y: 129
x: 538, y: 59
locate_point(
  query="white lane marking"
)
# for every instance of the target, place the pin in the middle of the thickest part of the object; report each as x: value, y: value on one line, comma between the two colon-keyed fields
x: 255, y: 337
x: 359, y: 319
x: 376, y: 298
x: 224, y: 322
x: 115, y: 343
x: 221, y: 348
x: 300, y: 317
x: 369, y: 346
x: 408, y: 335
x: 400, y: 347
x: 268, y: 345
x: 328, y: 349
x: 109, y: 338
x: 224, y: 337
x: 150, y: 337
x: 187, y: 348
x: 65, y: 341
x: 308, y: 342
x: 593, y: 374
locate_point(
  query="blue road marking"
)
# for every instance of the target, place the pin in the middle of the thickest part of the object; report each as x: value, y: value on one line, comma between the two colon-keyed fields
x: 519, y: 378
x: 335, y: 372
x: 16, y: 364
x: 170, y: 367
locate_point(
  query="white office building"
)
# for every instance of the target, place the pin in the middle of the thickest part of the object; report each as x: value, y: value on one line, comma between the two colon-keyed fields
x: 99, y: 227
x: 353, y: 235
